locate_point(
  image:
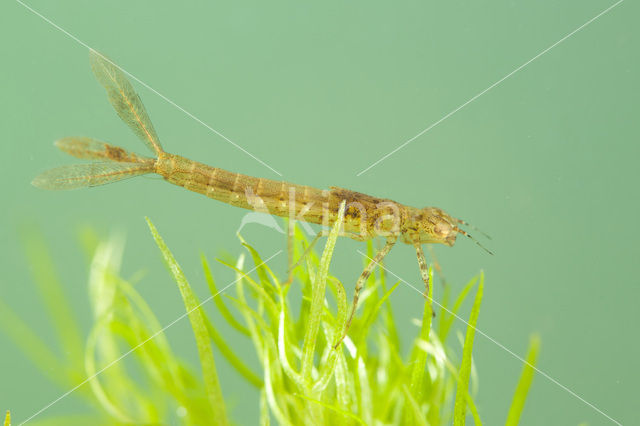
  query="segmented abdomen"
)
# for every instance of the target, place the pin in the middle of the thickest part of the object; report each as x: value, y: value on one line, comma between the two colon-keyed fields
x: 244, y: 191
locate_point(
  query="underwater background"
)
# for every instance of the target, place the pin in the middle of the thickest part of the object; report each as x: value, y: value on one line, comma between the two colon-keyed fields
x: 546, y: 162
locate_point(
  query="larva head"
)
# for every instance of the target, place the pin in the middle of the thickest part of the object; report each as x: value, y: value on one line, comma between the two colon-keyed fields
x: 431, y: 225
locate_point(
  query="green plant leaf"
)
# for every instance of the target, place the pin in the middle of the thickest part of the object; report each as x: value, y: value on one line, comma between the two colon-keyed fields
x: 414, y: 411
x: 200, y: 332
x: 333, y: 408
x: 228, y: 353
x: 32, y: 346
x: 331, y: 334
x: 219, y: 301
x: 284, y: 358
x: 449, y: 315
x: 351, y: 386
x: 53, y: 296
x: 419, y: 361
x: 526, y: 377
x: 120, y: 379
x: 263, y: 296
x: 460, y: 407
x: 317, y: 299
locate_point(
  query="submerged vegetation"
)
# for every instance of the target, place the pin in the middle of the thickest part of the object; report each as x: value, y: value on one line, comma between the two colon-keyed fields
x: 127, y: 370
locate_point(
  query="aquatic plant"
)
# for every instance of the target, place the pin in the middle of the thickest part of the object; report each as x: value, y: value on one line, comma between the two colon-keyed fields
x: 129, y: 373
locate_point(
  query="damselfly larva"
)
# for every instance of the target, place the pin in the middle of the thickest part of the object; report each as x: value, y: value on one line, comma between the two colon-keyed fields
x: 365, y: 216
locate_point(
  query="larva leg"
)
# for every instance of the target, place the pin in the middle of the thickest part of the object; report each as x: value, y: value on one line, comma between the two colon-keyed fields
x: 424, y: 271
x: 362, y: 279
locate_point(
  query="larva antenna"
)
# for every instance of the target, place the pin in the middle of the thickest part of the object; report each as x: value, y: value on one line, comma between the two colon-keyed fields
x: 475, y: 228
x: 466, y: 234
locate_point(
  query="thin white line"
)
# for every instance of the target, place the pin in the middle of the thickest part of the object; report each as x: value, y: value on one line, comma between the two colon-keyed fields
x: 93, y: 376
x: 491, y: 87
x: 82, y: 43
x: 500, y: 345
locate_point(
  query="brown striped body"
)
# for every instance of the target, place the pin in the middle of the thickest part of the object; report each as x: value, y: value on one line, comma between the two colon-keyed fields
x: 362, y: 215
x: 365, y: 216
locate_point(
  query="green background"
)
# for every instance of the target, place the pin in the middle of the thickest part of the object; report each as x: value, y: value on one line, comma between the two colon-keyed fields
x: 546, y: 162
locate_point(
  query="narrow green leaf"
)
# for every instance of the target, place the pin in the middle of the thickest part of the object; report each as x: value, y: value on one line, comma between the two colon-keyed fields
x: 261, y: 269
x: 528, y: 371
x: 333, y: 408
x: 318, y: 298
x: 332, y: 332
x: 200, y: 332
x: 414, y: 408
x: 389, y: 320
x: 32, y: 346
x: 341, y: 301
x: 164, y: 361
x: 119, y: 379
x: 375, y: 310
x: 89, y: 240
x: 230, y: 355
x: 53, y: 296
x: 271, y: 396
x: 448, y: 316
x: 474, y: 411
x: 328, y: 362
x: 118, y: 396
x: 264, y: 409
x: 219, y: 301
x: 460, y: 407
x: 419, y: 362
x: 363, y: 386
x: 345, y: 388
x: 282, y: 352
x: 263, y: 296
x: 243, y: 306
